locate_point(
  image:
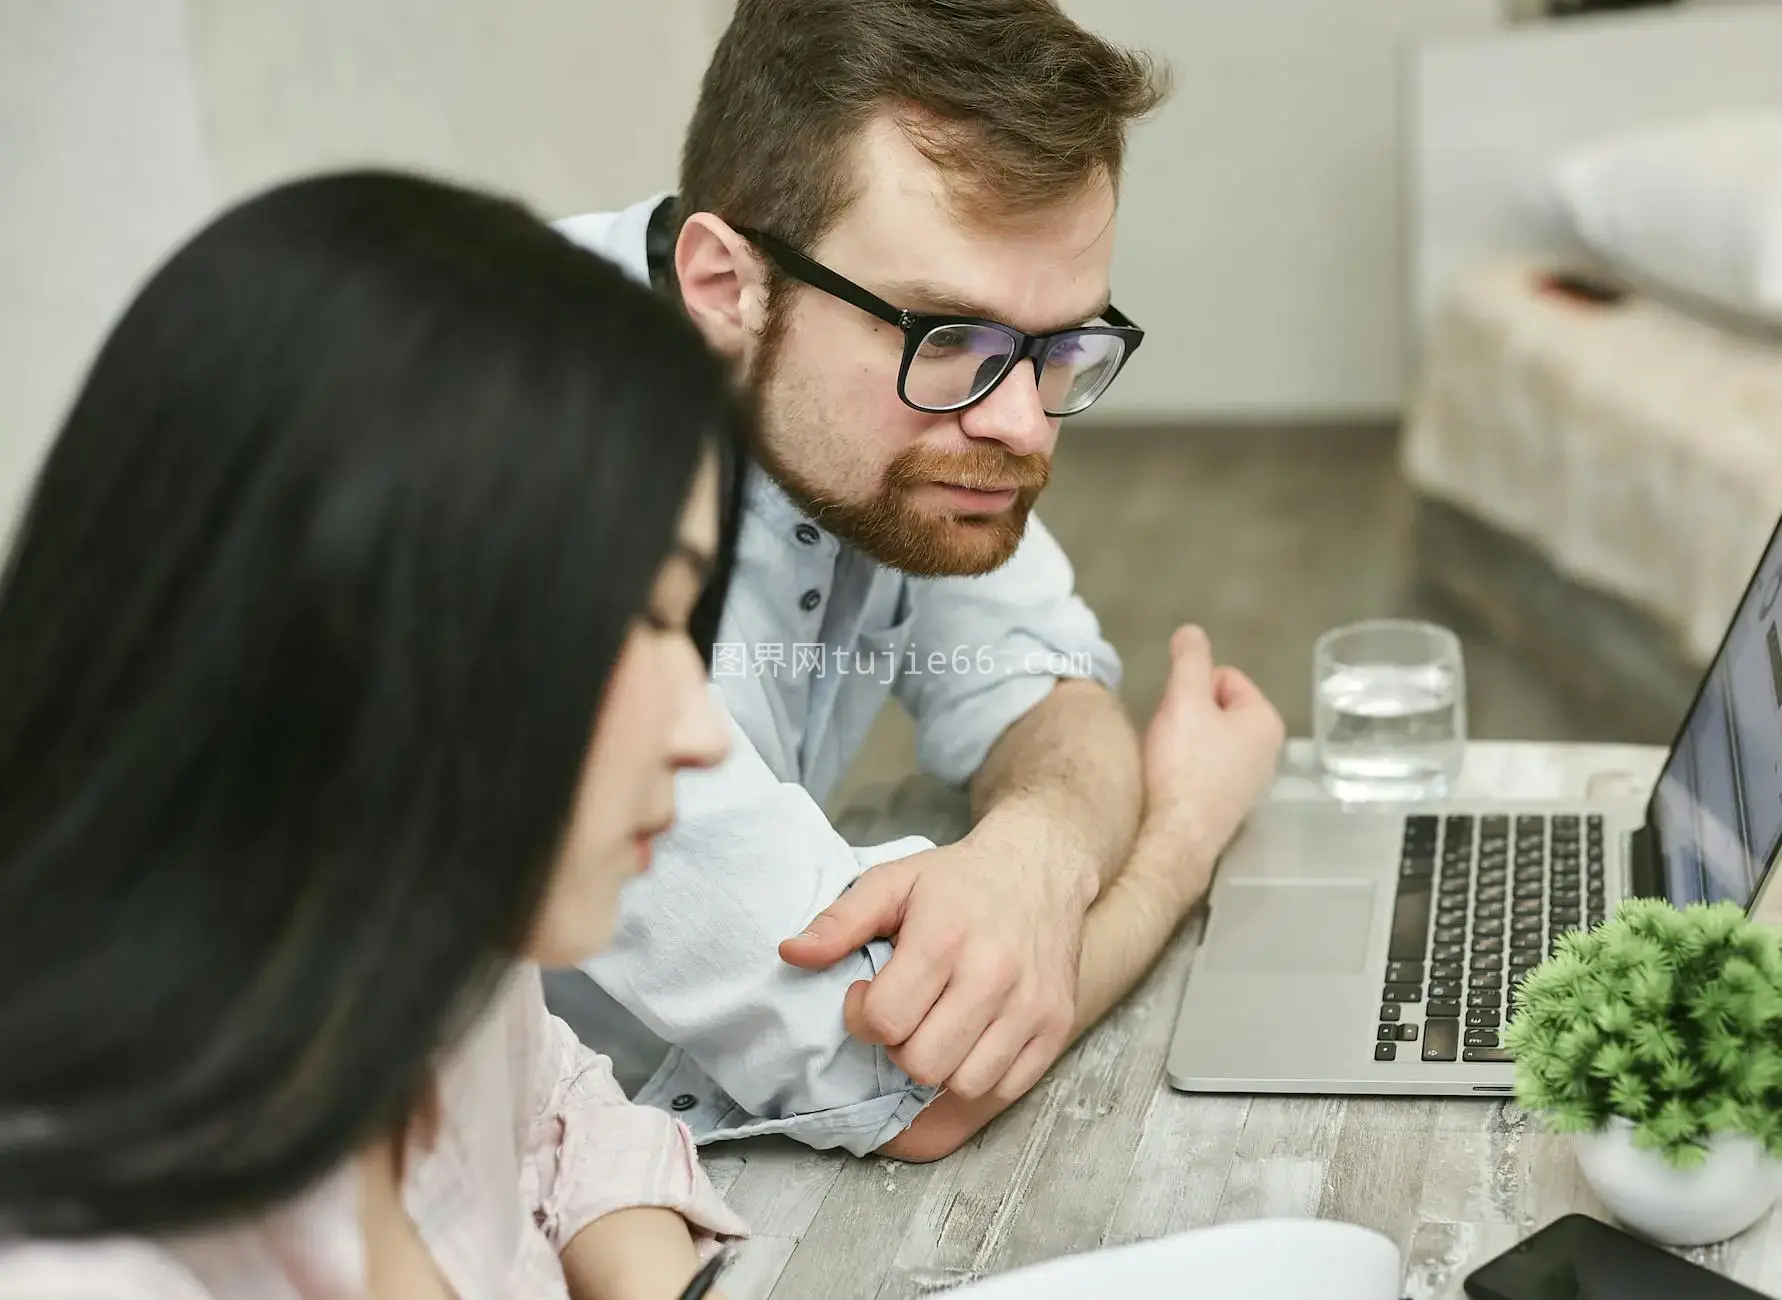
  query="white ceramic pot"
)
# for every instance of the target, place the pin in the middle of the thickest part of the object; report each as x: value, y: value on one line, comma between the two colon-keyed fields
x: 1727, y: 1193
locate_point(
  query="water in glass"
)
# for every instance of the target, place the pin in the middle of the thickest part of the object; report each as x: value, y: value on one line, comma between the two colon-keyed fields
x: 1392, y: 726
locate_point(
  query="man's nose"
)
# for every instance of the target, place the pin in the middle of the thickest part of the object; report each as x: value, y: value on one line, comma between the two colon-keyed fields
x: 1013, y: 415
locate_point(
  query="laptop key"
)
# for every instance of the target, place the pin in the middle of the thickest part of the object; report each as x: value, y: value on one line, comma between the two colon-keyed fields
x: 1387, y: 1033
x: 1482, y: 1018
x: 1449, y: 1009
x: 1407, y: 1033
x: 1449, y: 952
x: 1389, y: 1012
x: 1487, y: 944
x: 1385, y: 1051
x: 1447, y: 970
x: 1480, y: 1038
x: 1410, y: 921
x: 1531, y: 889
x: 1402, y: 993
x: 1490, y: 962
x: 1404, y: 972
x: 1450, y: 934
x: 1482, y: 1055
x: 1443, y: 991
x: 1482, y: 998
x: 1441, y: 1039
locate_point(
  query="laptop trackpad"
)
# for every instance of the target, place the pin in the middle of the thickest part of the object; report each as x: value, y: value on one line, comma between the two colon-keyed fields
x: 1291, y: 927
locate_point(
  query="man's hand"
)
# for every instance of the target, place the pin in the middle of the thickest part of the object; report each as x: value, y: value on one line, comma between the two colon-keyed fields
x: 980, y: 995
x: 1210, y: 754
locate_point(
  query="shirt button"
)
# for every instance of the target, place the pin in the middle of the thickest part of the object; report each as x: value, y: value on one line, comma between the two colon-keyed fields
x: 810, y: 600
x: 686, y: 1101
x: 806, y: 534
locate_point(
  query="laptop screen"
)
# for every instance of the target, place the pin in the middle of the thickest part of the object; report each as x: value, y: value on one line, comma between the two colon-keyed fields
x: 1717, y: 810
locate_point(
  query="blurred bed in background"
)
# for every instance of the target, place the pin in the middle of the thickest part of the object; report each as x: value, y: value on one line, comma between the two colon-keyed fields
x: 1595, y: 437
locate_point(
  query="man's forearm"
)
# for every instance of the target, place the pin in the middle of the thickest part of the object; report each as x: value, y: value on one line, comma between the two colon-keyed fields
x: 1123, y: 936
x: 1063, y: 783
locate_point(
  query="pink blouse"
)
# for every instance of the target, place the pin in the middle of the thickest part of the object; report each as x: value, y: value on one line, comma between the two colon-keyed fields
x: 535, y: 1141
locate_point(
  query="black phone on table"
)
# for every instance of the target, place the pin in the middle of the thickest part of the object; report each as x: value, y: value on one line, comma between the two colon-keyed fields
x: 1580, y: 1258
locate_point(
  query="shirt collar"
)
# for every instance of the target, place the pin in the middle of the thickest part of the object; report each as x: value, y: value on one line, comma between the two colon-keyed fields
x: 766, y: 502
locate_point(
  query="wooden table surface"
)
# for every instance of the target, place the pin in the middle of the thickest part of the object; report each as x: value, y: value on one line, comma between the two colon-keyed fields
x: 1103, y: 1152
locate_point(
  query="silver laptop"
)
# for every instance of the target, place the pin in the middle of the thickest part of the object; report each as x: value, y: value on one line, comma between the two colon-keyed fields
x: 1367, y: 949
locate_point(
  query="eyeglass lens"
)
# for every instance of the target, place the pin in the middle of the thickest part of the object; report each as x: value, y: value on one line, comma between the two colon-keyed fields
x: 956, y: 364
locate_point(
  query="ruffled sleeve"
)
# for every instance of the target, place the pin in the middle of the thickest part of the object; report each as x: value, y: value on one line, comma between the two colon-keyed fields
x: 590, y: 1151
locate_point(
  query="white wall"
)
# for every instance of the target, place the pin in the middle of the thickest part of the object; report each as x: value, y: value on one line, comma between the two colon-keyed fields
x: 102, y: 169
x: 124, y: 123
x: 1260, y: 233
x: 575, y: 105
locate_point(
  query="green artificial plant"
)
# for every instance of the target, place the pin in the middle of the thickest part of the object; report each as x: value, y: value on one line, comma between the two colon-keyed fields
x: 1669, y: 1019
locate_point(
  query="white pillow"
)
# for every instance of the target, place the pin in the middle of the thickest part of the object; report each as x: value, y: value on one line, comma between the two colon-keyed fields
x: 1694, y: 206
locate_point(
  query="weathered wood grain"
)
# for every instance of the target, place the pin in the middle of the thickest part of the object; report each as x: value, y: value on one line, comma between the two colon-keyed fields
x: 1104, y: 1153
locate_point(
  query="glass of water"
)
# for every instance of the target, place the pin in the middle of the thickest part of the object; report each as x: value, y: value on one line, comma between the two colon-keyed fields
x: 1389, y: 710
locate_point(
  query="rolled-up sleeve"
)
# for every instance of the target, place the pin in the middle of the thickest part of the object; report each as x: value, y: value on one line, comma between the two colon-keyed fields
x: 591, y: 1152
x: 986, y: 650
x: 751, y: 860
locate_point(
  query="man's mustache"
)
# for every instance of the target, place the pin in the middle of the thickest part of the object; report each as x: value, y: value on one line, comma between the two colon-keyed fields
x: 983, y: 469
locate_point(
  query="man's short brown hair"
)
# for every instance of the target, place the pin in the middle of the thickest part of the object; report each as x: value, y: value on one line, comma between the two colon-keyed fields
x: 1018, y: 106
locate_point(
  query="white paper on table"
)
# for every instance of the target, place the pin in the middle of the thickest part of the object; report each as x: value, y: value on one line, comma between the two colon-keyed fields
x: 1265, y: 1259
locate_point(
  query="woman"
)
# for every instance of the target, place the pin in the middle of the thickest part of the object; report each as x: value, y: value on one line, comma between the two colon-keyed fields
x: 346, y: 662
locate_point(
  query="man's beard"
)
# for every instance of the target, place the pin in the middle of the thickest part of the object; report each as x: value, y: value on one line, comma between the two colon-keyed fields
x: 889, y: 526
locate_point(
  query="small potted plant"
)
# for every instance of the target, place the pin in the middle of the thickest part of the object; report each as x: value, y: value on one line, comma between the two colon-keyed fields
x: 1656, y: 1039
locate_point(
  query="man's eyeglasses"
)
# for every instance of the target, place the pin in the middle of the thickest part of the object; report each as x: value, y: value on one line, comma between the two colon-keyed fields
x: 954, y: 362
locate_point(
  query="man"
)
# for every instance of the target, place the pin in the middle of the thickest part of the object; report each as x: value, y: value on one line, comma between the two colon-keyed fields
x: 897, y: 217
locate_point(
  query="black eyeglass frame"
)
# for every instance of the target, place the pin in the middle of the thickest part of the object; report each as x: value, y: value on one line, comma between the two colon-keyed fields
x: 916, y: 326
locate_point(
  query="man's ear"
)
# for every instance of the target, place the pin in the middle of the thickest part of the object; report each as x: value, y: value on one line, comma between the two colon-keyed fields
x: 721, y: 283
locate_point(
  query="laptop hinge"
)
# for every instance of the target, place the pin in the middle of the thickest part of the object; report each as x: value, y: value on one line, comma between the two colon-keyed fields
x: 1645, y: 877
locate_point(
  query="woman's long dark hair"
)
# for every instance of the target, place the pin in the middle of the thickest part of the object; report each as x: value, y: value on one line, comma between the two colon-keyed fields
x: 302, y: 641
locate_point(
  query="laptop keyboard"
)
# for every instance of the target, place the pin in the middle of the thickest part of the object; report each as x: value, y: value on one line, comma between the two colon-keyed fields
x: 1481, y: 902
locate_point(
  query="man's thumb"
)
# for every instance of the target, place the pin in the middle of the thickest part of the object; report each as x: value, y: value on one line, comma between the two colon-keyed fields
x: 872, y: 909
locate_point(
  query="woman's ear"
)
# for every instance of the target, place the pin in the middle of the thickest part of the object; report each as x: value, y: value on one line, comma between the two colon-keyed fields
x: 721, y: 284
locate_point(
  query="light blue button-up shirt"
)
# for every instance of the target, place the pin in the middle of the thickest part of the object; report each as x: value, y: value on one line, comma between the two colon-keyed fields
x: 692, y: 1000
